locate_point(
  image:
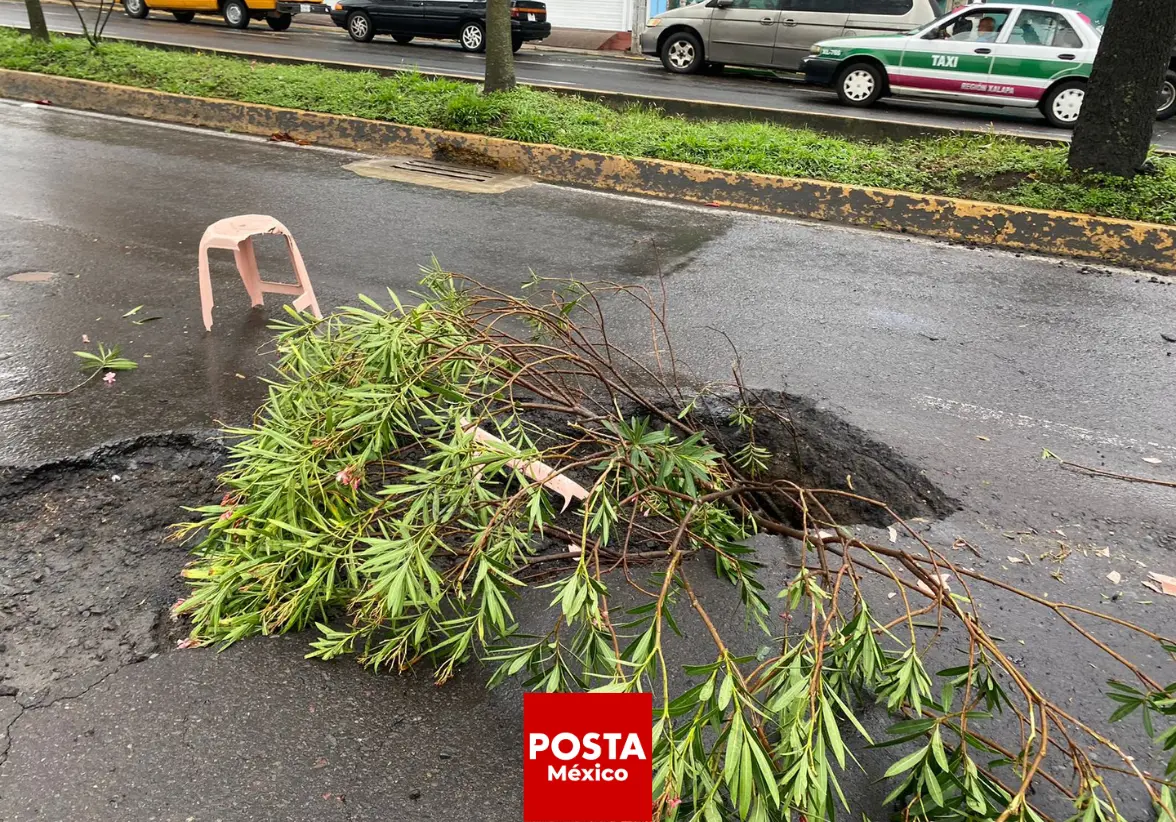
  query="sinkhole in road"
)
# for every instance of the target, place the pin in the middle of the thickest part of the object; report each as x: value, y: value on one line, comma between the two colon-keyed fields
x: 88, y: 574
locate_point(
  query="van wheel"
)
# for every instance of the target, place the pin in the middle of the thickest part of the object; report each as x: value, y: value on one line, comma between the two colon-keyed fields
x: 359, y: 27
x: 860, y: 84
x: 1167, y: 96
x: 280, y: 23
x: 681, y: 53
x: 236, y: 14
x: 184, y: 16
x: 1063, y: 103
x: 402, y: 39
x: 135, y: 8
x: 472, y: 37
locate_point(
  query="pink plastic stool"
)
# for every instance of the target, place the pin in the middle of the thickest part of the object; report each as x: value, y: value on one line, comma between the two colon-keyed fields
x: 235, y: 234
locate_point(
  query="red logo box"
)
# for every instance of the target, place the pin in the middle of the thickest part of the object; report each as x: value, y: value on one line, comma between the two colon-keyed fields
x: 587, y: 757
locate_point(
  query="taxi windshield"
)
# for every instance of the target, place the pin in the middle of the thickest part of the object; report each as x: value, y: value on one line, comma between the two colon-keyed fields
x: 976, y: 23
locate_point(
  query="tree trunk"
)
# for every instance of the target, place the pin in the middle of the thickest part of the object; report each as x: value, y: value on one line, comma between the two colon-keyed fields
x: 500, y: 71
x: 37, y: 28
x: 1119, y: 112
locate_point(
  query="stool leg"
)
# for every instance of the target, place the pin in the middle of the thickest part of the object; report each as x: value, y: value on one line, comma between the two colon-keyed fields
x: 205, y: 288
x: 247, y: 266
x: 307, y: 298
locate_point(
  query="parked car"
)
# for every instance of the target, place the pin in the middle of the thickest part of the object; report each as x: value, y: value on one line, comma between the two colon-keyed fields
x: 237, y: 13
x: 771, y: 33
x: 1097, y: 11
x: 994, y: 54
x: 460, y: 20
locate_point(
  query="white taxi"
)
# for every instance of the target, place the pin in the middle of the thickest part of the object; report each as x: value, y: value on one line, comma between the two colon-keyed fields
x: 996, y: 53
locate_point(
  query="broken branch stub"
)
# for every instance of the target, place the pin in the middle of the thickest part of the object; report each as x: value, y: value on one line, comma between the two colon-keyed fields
x: 535, y: 470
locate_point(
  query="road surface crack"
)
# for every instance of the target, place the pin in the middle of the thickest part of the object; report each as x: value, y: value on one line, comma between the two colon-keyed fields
x: 37, y: 705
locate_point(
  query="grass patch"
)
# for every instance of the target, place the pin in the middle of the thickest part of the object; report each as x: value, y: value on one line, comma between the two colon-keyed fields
x: 985, y: 167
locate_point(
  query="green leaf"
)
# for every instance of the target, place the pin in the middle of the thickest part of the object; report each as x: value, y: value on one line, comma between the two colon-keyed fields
x: 931, y: 783
x: 906, y: 763
x: 726, y: 690
x: 938, y: 751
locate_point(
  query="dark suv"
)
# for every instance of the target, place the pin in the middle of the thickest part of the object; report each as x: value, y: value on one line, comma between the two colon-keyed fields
x: 460, y: 20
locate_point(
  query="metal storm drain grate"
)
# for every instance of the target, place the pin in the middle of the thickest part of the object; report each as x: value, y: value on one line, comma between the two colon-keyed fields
x: 438, y: 174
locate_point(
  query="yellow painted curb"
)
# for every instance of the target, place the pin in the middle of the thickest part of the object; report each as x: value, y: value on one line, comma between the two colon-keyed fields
x: 1119, y: 242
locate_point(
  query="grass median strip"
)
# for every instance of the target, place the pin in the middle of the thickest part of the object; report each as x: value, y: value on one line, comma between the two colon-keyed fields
x: 983, y: 167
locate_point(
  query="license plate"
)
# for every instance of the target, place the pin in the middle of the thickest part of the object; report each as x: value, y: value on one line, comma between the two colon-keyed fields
x: 530, y: 18
x: 304, y: 8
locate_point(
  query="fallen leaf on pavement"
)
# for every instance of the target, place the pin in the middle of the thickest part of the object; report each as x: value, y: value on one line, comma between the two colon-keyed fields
x: 134, y: 310
x: 1102, y: 552
x: 1016, y: 559
x: 287, y: 137
x: 942, y: 579
x: 1115, y: 577
x: 982, y: 439
x: 145, y: 320
x: 1152, y: 460
x: 43, y: 102
x: 1161, y: 583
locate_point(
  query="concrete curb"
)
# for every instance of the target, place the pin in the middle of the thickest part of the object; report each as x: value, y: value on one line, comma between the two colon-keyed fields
x: 1120, y: 242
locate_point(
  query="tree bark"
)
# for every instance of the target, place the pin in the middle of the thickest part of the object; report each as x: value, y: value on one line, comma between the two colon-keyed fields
x: 500, y: 70
x: 37, y: 28
x: 1119, y: 112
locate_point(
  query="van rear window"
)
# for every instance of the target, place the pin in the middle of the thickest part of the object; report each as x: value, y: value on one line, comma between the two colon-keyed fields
x: 896, y: 7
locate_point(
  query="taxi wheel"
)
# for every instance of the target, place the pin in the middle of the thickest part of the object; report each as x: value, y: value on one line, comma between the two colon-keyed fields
x: 236, y: 14
x: 860, y: 84
x: 681, y: 53
x: 359, y: 27
x: 135, y: 8
x: 1167, y: 97
x: 281, y: 22
x: 1063, y: 103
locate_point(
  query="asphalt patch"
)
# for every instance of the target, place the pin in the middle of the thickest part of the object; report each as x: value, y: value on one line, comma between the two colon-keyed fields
x: 87, y: 574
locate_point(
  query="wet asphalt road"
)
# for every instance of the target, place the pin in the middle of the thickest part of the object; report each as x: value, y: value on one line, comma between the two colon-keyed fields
x: 643, y: 77
x: 967, y: 361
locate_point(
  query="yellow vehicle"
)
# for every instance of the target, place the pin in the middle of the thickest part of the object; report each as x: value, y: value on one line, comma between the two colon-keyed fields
x: 237, y: 13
